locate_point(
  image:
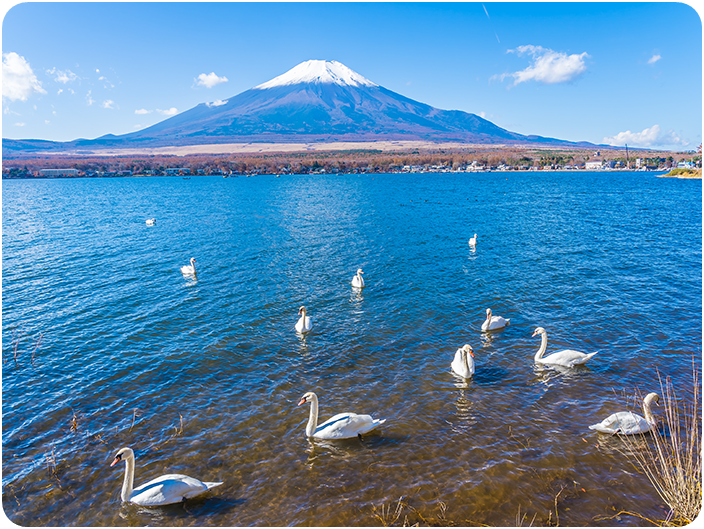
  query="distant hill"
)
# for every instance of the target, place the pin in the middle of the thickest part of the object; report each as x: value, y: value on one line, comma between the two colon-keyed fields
x: 315, y: 101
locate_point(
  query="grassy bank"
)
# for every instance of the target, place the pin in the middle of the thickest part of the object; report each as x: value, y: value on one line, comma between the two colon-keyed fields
x: 684, y: 173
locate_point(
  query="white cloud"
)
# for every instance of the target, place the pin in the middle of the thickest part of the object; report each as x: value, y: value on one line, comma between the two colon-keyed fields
x: 548, y: 66
x: 89, y: 99
x: 60, y: 90
x: 216, y: 103
x: 46, y: 121
x: 655, y: 58
x: 61, y: 76
x: 142, y: 111
x: 209, y: 80
x: 170, y: 112
x: 650, y: 137
x: 19, y: 124
x: 18, y: 79
x: 108, y: 103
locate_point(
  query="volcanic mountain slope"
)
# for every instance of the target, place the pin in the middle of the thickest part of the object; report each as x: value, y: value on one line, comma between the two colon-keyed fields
x: 316, y: 100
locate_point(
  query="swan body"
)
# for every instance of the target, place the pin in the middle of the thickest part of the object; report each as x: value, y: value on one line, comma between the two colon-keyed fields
x: 357, y: 279
x: 473, y: 241
x: 303, y: 324
x: 566, y: 358
x: 189, y: 269
x: 494, y: 322
x: 169, y: 488
x: 629, y: 423
x: 463, y: 364
x: 340, y: 426
x: 151, y: 222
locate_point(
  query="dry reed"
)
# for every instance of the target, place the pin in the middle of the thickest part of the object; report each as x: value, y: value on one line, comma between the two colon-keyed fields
x: 672, y: 461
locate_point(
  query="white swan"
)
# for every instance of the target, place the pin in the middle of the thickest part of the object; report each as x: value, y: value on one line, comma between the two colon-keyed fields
x: 473, y: 241
x: 170, y: 488
x: 463, y: 364
x: 357, y: 279
x: 303, y: 324
x: 629, y: 423
x: 151, y: 222
x: 494, y: 322
x: 566, y: 358
x: 189, y: 270
x: 340, y: 426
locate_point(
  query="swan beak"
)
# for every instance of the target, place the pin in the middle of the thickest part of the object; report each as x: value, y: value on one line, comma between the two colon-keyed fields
x: 536, y: 332
x: 116, y: 461
x: 471, y: 353
x: 303, y: 401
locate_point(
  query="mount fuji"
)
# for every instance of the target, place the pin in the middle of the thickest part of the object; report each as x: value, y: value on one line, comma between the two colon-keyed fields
x: 314, y: 101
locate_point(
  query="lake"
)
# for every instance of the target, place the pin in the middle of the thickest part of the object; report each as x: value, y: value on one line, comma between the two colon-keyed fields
x: 106, y: 344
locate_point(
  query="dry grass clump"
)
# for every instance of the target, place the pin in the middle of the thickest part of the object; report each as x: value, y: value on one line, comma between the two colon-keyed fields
x: 673, y: 460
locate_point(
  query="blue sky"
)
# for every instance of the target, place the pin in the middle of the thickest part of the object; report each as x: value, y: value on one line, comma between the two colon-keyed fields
x: 601, y: 72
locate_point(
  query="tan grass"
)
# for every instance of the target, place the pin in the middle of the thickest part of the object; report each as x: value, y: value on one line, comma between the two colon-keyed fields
x: 672, y: 460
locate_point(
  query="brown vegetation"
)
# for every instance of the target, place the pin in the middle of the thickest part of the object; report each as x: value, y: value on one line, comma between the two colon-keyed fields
x: 339, y: 160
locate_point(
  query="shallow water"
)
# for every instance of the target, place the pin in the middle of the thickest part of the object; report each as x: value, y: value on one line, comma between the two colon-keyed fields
x: 202, y: 376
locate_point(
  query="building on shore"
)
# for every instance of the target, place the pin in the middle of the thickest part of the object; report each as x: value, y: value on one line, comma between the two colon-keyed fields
x: 50, y: 173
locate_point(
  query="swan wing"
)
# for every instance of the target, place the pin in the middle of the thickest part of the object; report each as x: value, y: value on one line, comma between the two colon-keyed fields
x: 346, y: 425
x: 303, y: 324
x: 170, y: 488
x: 623, y: 422
x: 497, y: 322
x: 459, y: 368
x: 567, y: 358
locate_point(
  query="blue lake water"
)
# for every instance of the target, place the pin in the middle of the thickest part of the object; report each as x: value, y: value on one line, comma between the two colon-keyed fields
x: 106, y: 344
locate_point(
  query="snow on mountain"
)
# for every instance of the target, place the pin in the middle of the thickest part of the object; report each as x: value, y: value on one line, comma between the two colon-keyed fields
x: 317, y: 72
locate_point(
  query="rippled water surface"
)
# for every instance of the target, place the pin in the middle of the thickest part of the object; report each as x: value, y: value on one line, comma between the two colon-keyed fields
x: 202, y: 376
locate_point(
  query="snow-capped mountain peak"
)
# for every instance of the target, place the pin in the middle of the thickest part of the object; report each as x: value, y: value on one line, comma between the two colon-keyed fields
x: 316, y: 71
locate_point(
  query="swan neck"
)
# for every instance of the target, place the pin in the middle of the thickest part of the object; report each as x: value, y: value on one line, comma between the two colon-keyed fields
x: 313, y: 417
x: 128, y: 482
x: 648, y: 414
x: 543, y: 346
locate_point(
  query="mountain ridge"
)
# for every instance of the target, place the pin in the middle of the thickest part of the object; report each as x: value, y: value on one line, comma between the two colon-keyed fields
x: 314, y: 101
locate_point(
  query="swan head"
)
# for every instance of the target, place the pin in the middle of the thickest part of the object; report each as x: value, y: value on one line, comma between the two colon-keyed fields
x: 538, y: 331
x: 123, y: 453
x: 193, y: 260
x: 488, y: 313
x: 302, y: 310
x: 308, y: 397
x: 468, y: 350
x: 359, y: 271
x: 651, y: 398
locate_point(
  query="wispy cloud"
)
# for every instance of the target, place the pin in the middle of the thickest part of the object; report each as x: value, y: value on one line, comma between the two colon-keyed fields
x: 20, y: 124
x: 89, y: 99
x: 655, y: 58
x: 547, y: 66
x: 651, y: 137
x: 61, y: 76
x: 170, y: 112
x: 108, y: 103
x: 209, y: 80
x: 18, y: 79
x: 142, y: 111
x: 216, y: 103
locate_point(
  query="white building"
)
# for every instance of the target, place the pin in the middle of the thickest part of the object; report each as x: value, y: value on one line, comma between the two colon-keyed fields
x: 58, y: 172
x: 592, y: 166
